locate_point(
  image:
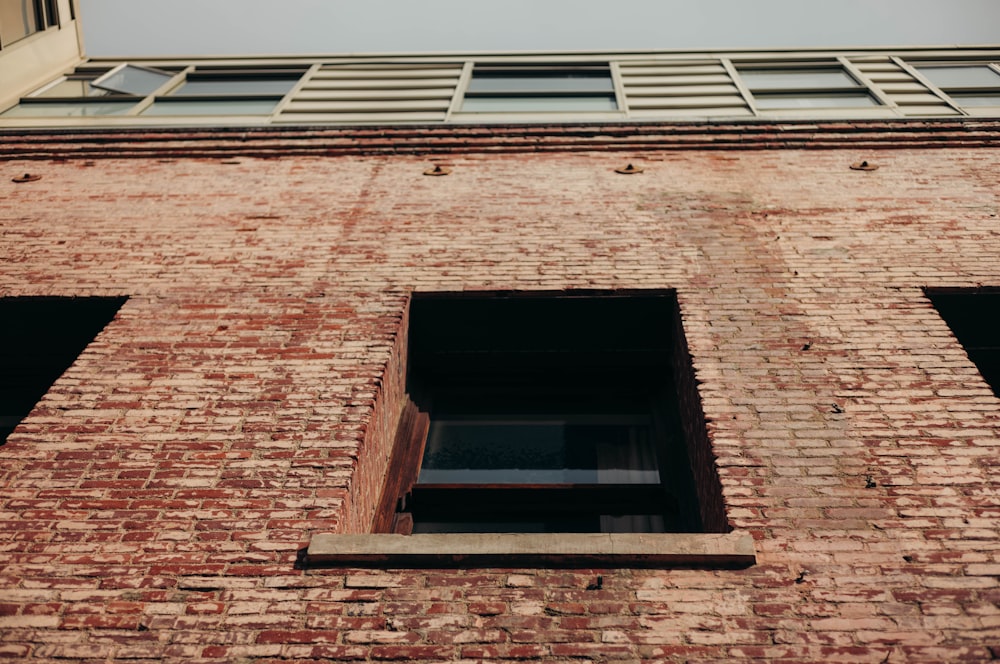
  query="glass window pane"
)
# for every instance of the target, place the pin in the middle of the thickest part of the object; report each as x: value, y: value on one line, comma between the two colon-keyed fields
x: 518, y: 82
x: 972, y: 76
x: 236, y: 86
x: 69, y: 109
x: 981, y: 99
x: 132, y: 80
x: 72, y: 87
x: 796, y: 79
x: 539, y: 450
x: 212, y: 107
x: 539, y: 103
x: 831, y: 100
x: 17, y: 20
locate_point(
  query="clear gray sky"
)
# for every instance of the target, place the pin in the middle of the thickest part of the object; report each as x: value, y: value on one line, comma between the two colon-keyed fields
x: 180, y: 27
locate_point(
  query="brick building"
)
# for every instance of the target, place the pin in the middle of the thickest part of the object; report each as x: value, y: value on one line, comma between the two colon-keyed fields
x: 267, y: 292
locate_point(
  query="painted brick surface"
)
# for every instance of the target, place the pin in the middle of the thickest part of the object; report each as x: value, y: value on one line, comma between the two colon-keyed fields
x: 155, y: 501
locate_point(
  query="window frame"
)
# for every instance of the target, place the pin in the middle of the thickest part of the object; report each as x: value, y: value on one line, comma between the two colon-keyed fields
x: 957, y: 95
x: 174, y: 96
x: 442, y: 502
x: 541, y: 71
x: 163, y: 94
x: 854, y: 87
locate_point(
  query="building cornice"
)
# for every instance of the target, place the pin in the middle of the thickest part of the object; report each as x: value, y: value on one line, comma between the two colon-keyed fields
x: 439, y: 140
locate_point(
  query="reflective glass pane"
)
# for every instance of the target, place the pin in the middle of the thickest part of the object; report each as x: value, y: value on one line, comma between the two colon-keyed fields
x: 132, y: 80
x: 972, y: 76
x: 69, y: 109
x: 236, y: 86
x: 212, y: 107
x: 981, y: 99
x: 540, y: 103
x: 538, y: 450
x: 517, y: 82
x: 17, y: 20
x: 831, y: 100
x: 72, y: 88
x: 796, y: 79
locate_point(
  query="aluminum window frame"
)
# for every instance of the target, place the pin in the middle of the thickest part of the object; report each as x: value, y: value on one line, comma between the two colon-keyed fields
x: 954, y: 94
x: 758, y: 93
x: 541, y: 70
x: 165, y: 93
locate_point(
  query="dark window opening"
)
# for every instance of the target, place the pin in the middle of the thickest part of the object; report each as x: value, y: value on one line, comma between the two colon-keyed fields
x: 40, y: 337
x: 974, y: 318
x: 544, y: 413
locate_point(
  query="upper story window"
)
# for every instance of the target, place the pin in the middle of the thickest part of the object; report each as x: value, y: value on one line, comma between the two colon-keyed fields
x: 507, y: 89
x: 127, y: 89
x: 226, y: 91
x: 20, y: 18
x: 89, y: 92
x: 804, y: 87
x: 966, y: 84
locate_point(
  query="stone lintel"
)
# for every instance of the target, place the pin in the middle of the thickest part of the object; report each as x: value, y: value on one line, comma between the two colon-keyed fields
x: 522, y: 549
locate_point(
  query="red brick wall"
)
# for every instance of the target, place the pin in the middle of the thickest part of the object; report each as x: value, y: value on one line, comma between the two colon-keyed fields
x: 155, y: 501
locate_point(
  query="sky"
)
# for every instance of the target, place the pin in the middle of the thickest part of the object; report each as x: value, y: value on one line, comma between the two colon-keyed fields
x: 217, y: 27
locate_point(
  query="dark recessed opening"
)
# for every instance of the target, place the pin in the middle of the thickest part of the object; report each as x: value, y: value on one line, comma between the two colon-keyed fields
x: 40, y: 337
x: 545, y: 412
x: 974, y: 318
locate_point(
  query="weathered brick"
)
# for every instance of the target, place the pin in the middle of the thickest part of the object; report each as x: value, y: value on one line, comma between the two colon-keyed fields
x: 242, y: 400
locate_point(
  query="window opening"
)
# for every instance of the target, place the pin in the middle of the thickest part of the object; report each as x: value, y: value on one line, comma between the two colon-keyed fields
x: 807, y: 86
x: 542, y: 413
x: 39, y: 339
x: 540, y: 88
x: 974, y: 318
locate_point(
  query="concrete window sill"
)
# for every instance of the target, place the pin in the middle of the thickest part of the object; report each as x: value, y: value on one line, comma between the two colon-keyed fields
x: 516, y: 549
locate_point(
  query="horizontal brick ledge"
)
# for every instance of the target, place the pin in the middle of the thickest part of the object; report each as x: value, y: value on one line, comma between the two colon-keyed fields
x: 518, y: 549
x: 441, y: 140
